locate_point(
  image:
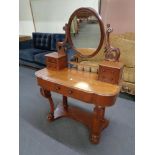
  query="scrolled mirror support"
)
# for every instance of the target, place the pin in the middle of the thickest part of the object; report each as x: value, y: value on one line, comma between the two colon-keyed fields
x: 111, y: 53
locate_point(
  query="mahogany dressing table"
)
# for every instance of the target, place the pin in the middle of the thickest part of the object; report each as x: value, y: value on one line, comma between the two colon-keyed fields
x: 99, y: 89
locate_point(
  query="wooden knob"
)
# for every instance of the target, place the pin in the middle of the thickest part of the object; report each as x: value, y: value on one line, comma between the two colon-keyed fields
x: 57, y: 88
x: 70, y: 92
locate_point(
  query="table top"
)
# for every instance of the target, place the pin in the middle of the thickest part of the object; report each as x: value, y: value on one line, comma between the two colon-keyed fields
x: 85, y: 81
x: 55, y: 55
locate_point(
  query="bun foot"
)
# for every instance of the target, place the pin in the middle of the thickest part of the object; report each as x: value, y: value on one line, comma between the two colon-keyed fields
x: 50, y: 117
x: 94, y: 139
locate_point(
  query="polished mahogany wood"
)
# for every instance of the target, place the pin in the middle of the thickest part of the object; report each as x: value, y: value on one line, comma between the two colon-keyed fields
x: 111, y: 53
x: 74, y: 83
x: 102, y: 31
x: 98, y: 124
x: 45, y: 93
x: 110, y: 71
x: 56, y: 60
x: 83, y: 86
x: 100, y: 89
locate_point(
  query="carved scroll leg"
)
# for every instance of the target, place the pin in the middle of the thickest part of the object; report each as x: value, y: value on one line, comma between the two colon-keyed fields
x: 47, y: 95
x: 65, y: 104
x: 97, y: 124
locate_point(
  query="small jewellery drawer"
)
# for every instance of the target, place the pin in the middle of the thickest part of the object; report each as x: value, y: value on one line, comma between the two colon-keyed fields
x: 110, y: 72
x: 107, y: 75
x: 51, y: 60
x: 51, y: 65
x: 72, y: 92
x: 59, y: 59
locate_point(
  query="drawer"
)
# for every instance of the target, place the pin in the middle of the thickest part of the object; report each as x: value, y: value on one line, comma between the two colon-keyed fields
x: 71, y: 92
x: 51, y: 65
x: 110, y: 72
x: 51, y: 59
x: 66, y: 91
x: 107, y: 75
x: 78, y: 94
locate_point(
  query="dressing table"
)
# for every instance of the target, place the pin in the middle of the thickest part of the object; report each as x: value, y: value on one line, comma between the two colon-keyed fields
x: 100, y: 89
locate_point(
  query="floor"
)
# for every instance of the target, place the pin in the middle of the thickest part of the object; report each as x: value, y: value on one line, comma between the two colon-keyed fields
x: 66, y: 136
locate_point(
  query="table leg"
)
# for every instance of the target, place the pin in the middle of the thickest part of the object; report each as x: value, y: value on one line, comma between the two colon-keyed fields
x: 65, y: 103
x: 97, y: 124
x: 47, y: 95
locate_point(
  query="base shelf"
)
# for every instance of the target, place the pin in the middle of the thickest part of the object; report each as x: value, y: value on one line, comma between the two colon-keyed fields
x: 79, y: 115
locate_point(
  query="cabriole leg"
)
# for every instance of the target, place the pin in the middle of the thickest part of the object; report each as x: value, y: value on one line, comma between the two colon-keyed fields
x: 47, y: 95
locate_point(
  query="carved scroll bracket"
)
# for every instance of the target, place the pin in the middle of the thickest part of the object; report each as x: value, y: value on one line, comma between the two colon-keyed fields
x: 111, y: 53
x: 63, y: 46
x: 65, y: 42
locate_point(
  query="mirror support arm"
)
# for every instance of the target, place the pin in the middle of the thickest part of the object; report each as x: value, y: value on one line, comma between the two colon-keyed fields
x: 111, y: 53
x: 61, y: 46
x: 108, y: 31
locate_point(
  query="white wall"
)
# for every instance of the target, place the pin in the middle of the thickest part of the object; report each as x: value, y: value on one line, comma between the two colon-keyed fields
x: 51, y: 15
x: 26, y: 26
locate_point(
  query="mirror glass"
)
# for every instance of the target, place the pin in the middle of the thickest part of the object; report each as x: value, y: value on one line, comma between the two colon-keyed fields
x: 85, y: 32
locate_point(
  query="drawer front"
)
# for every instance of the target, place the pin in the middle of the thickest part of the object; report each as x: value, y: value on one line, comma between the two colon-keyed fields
x: 71, y: 92
x: 51, y: 59
x: 66, y: 91
x: 51, y: 65
x: 108, y: 75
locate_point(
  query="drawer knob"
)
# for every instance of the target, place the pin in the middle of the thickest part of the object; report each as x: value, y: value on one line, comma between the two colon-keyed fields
x: 70, y: 92
x: 57, y: 88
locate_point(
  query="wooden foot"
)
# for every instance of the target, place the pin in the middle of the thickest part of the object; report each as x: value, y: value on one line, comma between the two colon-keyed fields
x: 94, y: 139
x: 50, y: 117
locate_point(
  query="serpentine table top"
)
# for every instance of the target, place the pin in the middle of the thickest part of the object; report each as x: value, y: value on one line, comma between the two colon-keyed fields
x: 78, y: 80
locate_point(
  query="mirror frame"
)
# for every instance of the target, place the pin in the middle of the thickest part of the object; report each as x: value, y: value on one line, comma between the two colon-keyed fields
x: 102, y: 31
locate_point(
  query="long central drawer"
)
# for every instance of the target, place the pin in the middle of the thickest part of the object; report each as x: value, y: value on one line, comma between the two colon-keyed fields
x: 66, y: 91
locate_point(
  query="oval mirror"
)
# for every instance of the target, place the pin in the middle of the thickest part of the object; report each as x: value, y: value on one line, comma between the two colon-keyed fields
x: 86, y: 32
